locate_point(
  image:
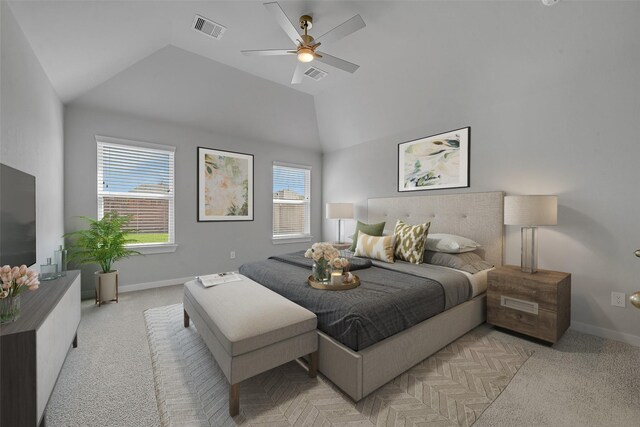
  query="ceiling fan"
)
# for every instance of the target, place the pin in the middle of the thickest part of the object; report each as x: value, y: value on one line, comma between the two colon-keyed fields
x: 306, y: 45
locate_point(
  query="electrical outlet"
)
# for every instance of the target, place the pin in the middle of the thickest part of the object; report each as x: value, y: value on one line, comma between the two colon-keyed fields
x: 618, y: 299
x: 232, y: 255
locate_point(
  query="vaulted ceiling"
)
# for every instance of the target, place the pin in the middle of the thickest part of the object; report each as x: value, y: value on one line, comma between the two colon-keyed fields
x: 83, y: 43
x: 143, y: 57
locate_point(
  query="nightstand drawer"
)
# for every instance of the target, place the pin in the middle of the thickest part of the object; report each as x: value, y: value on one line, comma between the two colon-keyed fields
x: 542, y: 294
x: 542, y: 325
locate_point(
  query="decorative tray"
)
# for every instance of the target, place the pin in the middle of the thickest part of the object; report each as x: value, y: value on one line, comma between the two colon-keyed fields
x: 329, y: 287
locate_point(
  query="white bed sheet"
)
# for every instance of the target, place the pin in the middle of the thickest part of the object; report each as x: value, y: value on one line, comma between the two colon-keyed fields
x: 477, y: 280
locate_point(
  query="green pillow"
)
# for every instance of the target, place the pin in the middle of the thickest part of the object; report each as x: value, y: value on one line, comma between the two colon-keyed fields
x: 370, y: 229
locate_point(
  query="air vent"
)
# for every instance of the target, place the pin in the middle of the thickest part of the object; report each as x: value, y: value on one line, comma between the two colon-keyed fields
x: 208, y: 27
x: 315, y: 73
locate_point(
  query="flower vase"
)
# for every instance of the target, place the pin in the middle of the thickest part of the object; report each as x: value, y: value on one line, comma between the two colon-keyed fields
x: 9, y: 309
x: 321, y: 271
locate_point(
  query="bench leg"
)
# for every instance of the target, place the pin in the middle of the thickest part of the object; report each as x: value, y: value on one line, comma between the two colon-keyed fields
x: 186, y: 319
x: 234, y: 399
x: 313, y: 364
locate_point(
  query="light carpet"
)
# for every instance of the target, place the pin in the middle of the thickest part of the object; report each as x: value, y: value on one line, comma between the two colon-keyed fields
x: 450, y: 388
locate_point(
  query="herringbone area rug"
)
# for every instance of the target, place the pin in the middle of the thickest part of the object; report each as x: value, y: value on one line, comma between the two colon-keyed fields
x: 450, y: 388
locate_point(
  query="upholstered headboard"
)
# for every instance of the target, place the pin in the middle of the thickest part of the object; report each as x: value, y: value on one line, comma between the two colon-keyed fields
x: 478, y: 216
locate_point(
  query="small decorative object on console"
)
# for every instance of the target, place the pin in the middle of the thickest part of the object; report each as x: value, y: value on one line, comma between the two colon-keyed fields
x: 60, y: 259
x: 323, y: 255
x: 48, y: 271
x: 15, y: 281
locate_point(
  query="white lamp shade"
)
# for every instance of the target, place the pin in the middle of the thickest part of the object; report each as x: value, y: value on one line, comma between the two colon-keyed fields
x: 339, y: 210
x: 531, y: 210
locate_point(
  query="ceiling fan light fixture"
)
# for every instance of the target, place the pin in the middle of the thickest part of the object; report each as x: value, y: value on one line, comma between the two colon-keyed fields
x: 305, y: 54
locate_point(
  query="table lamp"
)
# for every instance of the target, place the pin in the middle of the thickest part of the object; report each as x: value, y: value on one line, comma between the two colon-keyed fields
x: 530, y: 212
x: 339, y: 211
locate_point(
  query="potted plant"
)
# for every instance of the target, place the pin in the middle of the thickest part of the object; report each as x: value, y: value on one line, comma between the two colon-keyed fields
x: 103, y: 243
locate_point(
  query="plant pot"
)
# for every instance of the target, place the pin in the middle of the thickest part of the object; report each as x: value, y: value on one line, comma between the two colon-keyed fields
x: 106, y: 286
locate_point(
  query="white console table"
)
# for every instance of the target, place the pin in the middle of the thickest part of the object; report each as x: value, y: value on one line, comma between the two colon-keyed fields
x: 34, y: 347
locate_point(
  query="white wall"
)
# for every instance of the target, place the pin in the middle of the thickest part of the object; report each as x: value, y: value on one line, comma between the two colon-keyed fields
x: 202, y: 247
x: 558, y: 116
x: 31, y: 133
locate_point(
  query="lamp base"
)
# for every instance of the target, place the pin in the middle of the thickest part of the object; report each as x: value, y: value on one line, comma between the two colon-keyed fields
x: 529, y: 250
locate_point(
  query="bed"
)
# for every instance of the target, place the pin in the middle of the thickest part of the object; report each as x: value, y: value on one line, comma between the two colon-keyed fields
x: 362, y: 349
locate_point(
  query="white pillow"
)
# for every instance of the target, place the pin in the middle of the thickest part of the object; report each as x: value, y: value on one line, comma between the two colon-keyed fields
x: 450, y: 243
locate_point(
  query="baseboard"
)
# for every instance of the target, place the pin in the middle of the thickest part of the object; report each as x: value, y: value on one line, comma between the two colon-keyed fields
x: 606, y: 333
x: 151, y: 285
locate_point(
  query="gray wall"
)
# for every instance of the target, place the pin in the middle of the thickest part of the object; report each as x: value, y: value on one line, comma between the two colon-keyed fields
x: 179, y: 86
x: 203, y: 247
x: 560, y: 117
x: 31, y: 136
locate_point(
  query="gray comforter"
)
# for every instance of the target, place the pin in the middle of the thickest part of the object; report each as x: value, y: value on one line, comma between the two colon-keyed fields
x: 385, y: 303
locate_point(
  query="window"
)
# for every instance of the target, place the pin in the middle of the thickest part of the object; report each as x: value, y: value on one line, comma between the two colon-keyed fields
x: 291, y: 202
x: 136, y: 179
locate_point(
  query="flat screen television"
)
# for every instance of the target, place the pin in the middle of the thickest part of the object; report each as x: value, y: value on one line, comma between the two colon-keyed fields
x: 17, y: 217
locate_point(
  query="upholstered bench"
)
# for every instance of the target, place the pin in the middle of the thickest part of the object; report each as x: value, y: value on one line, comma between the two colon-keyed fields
x: 249, y: 329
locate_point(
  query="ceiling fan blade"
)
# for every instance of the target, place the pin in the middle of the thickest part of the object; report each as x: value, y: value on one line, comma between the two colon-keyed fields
x: 277, y: 12
x: 336, y: 62
x: 347, y: 27
x: 297, y: 74
x: 267, y: 52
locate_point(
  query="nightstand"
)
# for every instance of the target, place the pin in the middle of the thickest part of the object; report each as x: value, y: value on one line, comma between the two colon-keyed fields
x: 538, y: 304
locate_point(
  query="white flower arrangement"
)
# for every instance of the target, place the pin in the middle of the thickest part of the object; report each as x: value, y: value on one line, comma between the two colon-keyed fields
x: 16, y: 280
x: 340, y: 263
x: 322, y: 251
x: 323, y: 255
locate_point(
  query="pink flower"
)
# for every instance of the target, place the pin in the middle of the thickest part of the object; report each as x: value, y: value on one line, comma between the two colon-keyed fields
x: 6, y: 269
x: 15, y: 271
x: 23, y: 270
x: 33, y: 287
x: 4, y: 294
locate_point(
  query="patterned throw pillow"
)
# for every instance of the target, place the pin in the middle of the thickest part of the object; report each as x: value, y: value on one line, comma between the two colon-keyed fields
x: 370, y: 229
x: 376, y: 247
x: 410, y: 241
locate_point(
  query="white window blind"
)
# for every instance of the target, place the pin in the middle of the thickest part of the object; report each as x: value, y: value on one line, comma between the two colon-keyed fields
x: 291, y: 201
x: 137, y: 179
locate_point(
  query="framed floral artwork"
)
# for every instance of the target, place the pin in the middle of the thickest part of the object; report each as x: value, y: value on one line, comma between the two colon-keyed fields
x: 225, y: 185
x: 435, y: 162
